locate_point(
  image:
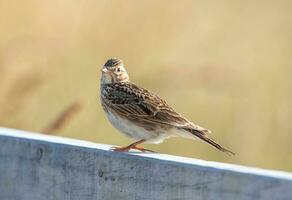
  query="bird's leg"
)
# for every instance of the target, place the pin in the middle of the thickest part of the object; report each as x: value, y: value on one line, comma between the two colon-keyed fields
x: 131, y: 146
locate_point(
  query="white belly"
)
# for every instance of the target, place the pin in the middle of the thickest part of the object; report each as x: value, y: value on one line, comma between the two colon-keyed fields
x: 136, y: 132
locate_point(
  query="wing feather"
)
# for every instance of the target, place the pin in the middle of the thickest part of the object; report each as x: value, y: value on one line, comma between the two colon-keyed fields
x: 132, y: 101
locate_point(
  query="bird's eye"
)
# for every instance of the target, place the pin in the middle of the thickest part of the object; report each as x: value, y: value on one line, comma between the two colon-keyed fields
x: 118, y: 69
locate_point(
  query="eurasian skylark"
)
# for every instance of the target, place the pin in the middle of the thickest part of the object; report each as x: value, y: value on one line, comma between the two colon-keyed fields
x: 141, y: 114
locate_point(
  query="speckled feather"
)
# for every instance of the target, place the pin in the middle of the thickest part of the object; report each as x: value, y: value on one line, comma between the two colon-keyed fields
x: 133, y: 102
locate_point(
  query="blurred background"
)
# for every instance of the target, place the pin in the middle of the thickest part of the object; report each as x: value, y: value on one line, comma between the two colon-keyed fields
x: 226, y: 66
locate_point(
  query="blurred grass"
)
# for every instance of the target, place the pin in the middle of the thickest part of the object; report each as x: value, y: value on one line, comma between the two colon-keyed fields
x: 227, y: 66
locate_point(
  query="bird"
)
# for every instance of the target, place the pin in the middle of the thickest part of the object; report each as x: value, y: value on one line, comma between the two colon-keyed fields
x: 141, y: 114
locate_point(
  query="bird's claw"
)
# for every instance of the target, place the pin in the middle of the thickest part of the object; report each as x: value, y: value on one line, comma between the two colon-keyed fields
x: 127, y: 149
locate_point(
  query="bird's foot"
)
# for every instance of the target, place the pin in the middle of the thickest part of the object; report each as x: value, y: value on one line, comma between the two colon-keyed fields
x: 120, y: 149
x: 132, y: 146
x: 128, y: 148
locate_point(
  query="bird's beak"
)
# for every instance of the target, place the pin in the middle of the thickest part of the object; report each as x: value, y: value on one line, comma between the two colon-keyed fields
x: 104, y: 70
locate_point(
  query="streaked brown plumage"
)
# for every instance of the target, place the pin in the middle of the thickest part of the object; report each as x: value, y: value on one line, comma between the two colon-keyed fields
x: 141, y: 114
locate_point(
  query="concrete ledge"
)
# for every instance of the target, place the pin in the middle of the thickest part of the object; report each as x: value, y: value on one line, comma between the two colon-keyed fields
x: 35, y: 166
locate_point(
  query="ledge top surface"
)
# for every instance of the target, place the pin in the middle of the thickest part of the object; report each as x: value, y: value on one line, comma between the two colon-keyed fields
x: 8, y: 132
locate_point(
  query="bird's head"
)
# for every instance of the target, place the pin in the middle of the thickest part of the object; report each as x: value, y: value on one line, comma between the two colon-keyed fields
x: 114, y: 71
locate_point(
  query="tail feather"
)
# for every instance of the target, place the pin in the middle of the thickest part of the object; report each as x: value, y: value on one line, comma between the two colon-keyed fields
x: 203, y: 136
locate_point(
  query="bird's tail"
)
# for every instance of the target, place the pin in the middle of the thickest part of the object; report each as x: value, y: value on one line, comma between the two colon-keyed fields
x: 202, y: 134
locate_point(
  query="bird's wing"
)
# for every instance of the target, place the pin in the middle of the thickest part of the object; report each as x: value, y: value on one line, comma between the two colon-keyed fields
x: 131, y: 101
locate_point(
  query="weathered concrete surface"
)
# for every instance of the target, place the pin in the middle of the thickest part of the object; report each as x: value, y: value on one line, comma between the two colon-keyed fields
x: 39, y: 167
